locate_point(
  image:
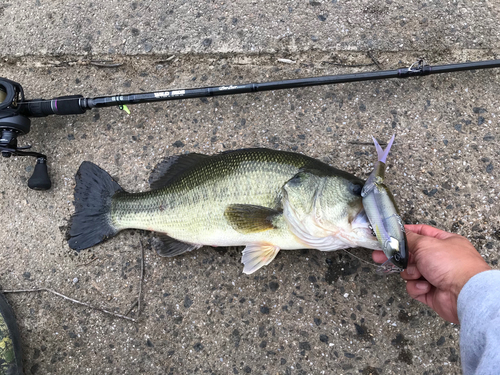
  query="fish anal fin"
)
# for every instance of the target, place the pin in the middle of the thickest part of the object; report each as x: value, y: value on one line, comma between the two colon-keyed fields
x: 258, y: 255
x: 167, y: 246
x: 248, y: 218
x: 168, y: 170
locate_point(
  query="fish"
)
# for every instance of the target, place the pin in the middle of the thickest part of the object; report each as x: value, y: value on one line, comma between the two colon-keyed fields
x: 384, y: 216
x: 266, y: 200
x: 10, y: 341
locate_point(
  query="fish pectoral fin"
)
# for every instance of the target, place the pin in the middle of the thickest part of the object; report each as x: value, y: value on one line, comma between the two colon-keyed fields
x: 248, y: 218
x: 258, y: 255
x: 167, y: 246
x: 168, y: 170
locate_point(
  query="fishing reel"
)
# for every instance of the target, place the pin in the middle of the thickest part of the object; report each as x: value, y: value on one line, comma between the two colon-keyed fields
x: 15, y: 111
x: 14, y: 123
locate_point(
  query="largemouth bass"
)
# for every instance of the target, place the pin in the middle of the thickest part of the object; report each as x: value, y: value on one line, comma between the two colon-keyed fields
x: 263, y: 199
x: 10, y: 342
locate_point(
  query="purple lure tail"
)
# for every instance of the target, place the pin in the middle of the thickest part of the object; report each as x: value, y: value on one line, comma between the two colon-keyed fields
x: 382, y: 154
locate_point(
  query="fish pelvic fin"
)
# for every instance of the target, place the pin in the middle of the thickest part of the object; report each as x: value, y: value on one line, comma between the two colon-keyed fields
x: 258, y: 255
x: 381, y: 153
x: 167, y: 246
x: 91, y: 223
x: 248, y: 218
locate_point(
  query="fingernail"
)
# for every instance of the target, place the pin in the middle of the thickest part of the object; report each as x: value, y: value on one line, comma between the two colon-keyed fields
x: 422, y: 285
x: 411, y: 270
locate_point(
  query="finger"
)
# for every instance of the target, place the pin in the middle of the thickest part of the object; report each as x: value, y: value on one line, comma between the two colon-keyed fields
x: 424, y: 298
x: 379, y: 256
x: 418, y: 288
x: 427, y: 230
x: 411, y: 272
x: 413, y: 238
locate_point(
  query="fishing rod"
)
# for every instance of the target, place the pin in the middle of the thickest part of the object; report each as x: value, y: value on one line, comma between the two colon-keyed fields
x: 16, y: 111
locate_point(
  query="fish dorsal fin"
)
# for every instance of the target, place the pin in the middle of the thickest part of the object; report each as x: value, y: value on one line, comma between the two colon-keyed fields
x: 258, y: 255
x: 249, y: 218
x: 167, y: 246
x: 172, y: 167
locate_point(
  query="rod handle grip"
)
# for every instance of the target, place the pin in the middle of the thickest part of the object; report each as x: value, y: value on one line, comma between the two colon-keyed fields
x: 63, y: 105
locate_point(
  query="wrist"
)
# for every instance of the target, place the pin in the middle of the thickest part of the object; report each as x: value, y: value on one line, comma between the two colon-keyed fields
x: 466, y: 276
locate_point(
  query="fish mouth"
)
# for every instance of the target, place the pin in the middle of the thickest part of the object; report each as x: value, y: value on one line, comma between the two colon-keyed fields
x: 364, y: 231
x: 314, y: 233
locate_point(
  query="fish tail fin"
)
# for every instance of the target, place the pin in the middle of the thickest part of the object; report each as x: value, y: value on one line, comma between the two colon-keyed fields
x: 91, y: 222
x: 381, y: 153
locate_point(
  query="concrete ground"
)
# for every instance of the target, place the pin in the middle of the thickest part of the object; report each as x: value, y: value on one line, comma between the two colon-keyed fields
x: 308, y: 312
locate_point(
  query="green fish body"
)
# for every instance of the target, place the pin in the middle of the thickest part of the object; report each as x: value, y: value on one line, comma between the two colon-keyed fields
x: 263, y: 199
x: 10, y: 345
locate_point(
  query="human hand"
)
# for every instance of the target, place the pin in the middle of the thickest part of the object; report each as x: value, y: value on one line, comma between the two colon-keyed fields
x: 440, y: 264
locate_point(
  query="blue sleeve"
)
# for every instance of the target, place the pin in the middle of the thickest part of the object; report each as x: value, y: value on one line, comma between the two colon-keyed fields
x: 479, y: 315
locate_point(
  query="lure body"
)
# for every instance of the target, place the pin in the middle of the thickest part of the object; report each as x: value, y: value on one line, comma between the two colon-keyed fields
x: 384, y: 216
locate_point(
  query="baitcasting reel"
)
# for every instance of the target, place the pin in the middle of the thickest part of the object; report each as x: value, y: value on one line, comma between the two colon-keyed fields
x: 14, y: 121
x: 12, y: 124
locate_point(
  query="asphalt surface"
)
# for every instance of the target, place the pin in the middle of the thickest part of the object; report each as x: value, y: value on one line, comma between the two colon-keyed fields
x: 308, y: 312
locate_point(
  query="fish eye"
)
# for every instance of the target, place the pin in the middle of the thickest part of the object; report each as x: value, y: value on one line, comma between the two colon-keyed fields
x: 355, y: 188
x: 397, y: 257
x: 295, y: 180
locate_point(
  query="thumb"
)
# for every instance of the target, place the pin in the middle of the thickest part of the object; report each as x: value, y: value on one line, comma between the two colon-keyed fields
x: 428, y: 231
x: 413, y: 239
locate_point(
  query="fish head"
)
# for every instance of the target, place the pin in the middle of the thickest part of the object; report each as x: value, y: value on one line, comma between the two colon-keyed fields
x: 338, y: 200
x: 339, y: 209
x: 326, y: 211
x: 331, y: 199
x: 300, y: 192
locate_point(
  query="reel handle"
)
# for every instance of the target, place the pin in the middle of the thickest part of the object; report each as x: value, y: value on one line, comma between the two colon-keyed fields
x: 40, y: 179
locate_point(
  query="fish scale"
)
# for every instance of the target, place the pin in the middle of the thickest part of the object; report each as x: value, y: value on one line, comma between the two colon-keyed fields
x: 198, y: 199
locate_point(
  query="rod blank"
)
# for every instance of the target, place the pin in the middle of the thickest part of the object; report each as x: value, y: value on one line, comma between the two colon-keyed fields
x: 417, y: 69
